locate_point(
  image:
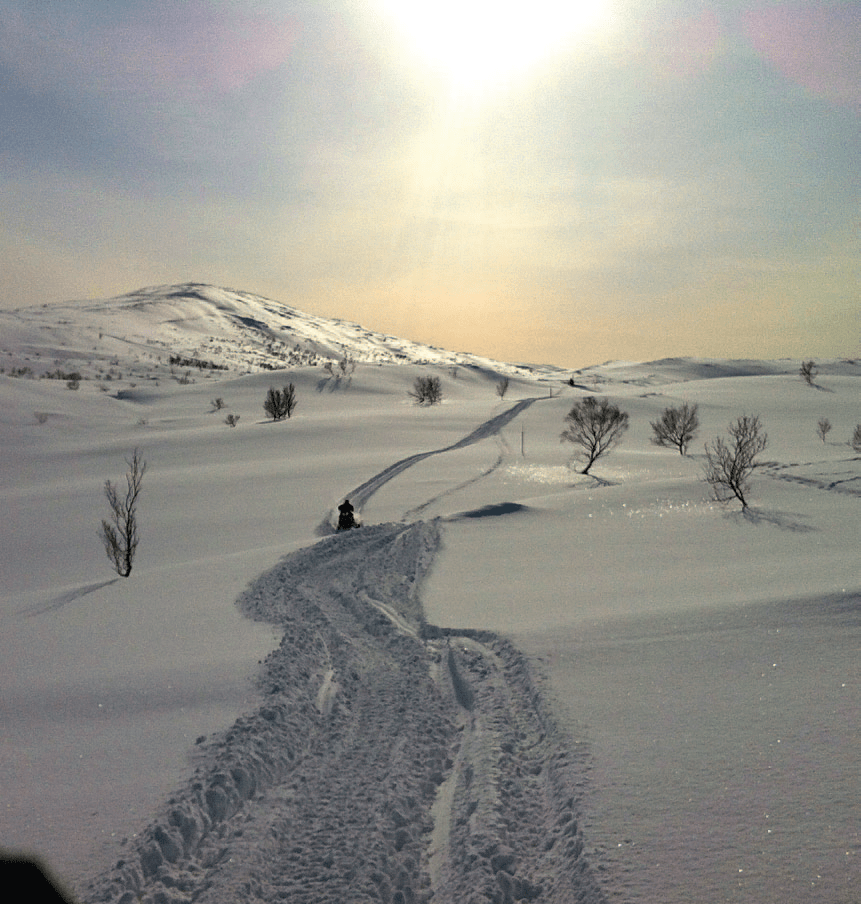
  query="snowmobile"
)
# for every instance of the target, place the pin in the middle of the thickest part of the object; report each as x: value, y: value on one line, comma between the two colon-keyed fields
x: 346, y: 518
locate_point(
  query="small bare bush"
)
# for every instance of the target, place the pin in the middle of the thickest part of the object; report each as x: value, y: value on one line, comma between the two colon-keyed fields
x: 70, y: 377
x: 343, y: 368
x: 273, y: 405
x: 855, y: 442
x: 595, y: 426
x: 347, y: 366
x: 427, y: 390
x: 280, y: 403
x: 676, y: 427
x: 120, y: 533
x: 807, y: 372
x: 288, y: 394
x: 729, y: 464
x: 502, y: 387
x: 231, y: 420
x: 823, y: 428
x: 218, y: 404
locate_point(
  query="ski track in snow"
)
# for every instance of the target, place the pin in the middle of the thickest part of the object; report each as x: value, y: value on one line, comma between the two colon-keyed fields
x: 390, y: 760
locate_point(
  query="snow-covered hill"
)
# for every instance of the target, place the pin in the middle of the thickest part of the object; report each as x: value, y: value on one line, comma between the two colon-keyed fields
x: 171, y: 329
x: 684, y: 724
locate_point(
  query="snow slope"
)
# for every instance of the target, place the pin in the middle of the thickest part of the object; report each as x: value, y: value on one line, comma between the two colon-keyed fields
x: 218, y: 327
x: 683, y: 724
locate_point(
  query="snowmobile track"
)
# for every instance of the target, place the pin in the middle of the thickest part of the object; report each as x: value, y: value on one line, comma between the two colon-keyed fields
x: 328, y: 791
x: 389, y: 761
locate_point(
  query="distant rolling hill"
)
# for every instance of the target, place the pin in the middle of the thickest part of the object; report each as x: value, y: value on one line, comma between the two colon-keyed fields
x: 204, y: 326
x: 171, y: 330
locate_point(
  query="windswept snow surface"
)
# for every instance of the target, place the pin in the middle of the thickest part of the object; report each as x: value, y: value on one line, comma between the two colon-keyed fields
x: 512, y: 683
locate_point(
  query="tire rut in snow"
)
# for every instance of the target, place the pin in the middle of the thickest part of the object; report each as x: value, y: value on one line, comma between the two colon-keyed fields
x: 327, y: 792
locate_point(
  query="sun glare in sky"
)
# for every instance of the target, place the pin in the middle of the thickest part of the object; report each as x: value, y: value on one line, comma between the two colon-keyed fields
x: 479, y: 45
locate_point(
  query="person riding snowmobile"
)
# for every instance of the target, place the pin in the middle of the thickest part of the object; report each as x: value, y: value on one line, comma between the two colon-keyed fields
x: 345, y: 518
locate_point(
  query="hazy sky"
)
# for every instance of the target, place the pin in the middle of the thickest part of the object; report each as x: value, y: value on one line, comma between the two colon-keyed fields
x: 536, y: 181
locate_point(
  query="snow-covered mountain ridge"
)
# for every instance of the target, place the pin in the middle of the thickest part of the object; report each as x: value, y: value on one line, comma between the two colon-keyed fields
x: 176, y: 330
x: 212, y: 328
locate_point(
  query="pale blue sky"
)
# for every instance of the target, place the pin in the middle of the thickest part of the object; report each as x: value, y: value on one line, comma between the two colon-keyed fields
x: 672, y: 178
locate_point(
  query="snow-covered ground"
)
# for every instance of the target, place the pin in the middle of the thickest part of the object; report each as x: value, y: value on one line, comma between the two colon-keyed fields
x: 689, y: 714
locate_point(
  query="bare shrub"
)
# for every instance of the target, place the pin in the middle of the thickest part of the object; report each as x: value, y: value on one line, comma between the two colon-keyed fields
x: 70, y: 377
x: 218, y: 403
x: 855, y: 442
x: 231, y: 420
x: 346, y: 365
x: 120, y: 533
x: 823, y: 428
x: 595, y: 426
x: 729, y: 464
x: 343, y: 369
x: 280, y: 403
x: 676, y: 427
x: 427, y: 390
x: 273, y: 404
x: 502, y: 387
x: 288, y: 394
x: 807, y: 372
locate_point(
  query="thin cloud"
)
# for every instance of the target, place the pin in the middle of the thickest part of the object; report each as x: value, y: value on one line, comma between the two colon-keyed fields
x: 158, y: 49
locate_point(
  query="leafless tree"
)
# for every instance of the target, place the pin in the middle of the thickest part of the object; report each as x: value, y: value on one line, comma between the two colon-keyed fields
x: 823, y: 428
x: 676, y: 427
x: 231, y: 420
x: 120, y: 533
x: 595, y: 426
x: 807, y: 371
x: 729, y: 464
x: 502, y: 387
x: 427, y: 390
x: 855, y: 442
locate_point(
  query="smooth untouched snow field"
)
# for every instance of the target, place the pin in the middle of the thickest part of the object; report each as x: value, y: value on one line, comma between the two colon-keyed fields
x: 706, y: 657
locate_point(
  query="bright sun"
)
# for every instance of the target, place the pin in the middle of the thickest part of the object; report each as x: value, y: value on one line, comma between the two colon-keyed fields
x: 481, y: 44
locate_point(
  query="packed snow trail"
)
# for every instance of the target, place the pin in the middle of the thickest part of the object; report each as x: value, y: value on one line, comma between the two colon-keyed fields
x: 390, y: 760
x: 327, y: 792
x: 361, y: 494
